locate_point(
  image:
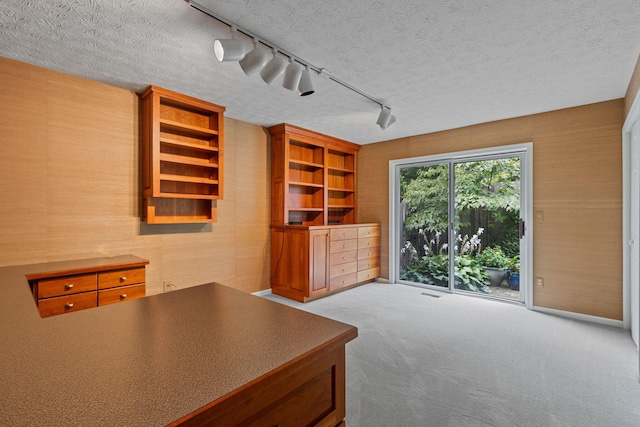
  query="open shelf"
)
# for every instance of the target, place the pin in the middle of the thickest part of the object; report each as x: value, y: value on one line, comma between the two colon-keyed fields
x: 182, y: 157
x: 311, y: 173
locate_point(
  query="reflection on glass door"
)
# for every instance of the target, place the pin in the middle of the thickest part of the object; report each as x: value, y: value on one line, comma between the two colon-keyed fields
x: 480, y: 197
x: 424, y: 253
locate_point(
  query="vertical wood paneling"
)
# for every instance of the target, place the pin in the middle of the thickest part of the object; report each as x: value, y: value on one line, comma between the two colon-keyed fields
x: 577, y: 183
x: 70, y: 170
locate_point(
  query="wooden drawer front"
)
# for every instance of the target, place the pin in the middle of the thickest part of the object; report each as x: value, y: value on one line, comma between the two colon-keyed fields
x: 111, y: 279
x: 344, y: 233
x: 342, y: 269
x: 369, y: 242
x: 68, y: 303
x: 370, y: 274
x: 366, y: 264
x: 371, y: 231
x: 66, y: 285
x: 342, y: 281
x: 368, y: 252
x: 123, y: 293
x: 343, y: 257
x: 343, y: 245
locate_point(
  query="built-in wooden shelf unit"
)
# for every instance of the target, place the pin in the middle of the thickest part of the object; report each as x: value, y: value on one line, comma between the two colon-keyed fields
x: 182, y: 139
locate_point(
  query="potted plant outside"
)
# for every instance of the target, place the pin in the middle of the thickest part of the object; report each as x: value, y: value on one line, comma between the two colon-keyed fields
x: 513, y: 277
x: 495, y: 264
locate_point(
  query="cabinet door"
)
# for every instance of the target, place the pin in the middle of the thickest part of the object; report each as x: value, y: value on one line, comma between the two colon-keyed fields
x: 318, y: 262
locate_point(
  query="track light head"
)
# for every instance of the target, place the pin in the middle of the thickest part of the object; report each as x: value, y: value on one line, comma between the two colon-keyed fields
x: 392, y: 120
x: 273, y: 69
x: 384, y: 118
x: 255, y: 60
x: 292, y: 75
x: 306, y: 86
x: 229, y: 49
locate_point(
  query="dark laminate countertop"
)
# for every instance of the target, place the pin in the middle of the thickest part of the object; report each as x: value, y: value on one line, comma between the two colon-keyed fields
x: 144, y: 362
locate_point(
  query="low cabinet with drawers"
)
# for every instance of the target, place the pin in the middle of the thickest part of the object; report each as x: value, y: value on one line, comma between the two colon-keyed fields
x: 64, y: 287
x: 315, y: 261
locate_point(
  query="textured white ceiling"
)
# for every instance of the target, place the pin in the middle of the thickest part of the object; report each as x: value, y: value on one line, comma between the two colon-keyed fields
x: 438, y: 64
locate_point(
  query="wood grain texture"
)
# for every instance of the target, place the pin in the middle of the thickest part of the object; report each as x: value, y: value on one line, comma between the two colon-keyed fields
x: 70, y: 164
x: 634, y: 87
x: 577, y: 183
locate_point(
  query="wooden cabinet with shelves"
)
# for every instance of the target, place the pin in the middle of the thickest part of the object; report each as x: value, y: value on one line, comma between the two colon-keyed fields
x: 64, y: 287
x: 311, y: 262
x: 313, y: 178
x: 182, y: 139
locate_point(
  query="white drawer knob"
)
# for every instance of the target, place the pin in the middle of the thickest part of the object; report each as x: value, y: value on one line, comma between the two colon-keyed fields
x: 68, y: 306
x: 123, y: 279
x: 123, y: 296
x: 68, y: 286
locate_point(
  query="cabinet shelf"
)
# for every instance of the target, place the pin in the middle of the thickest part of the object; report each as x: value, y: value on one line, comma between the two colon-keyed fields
x: 306, y: 184
x: 183, y: 178
x: 341, y: 190
x: 341, y: 206
x: 307, y: 164
x: 183, y: 144
x: 171, y: 125
x: 183, y: 151
x: 340, y: 170
x: 307, y: 209
x: 184, y: 160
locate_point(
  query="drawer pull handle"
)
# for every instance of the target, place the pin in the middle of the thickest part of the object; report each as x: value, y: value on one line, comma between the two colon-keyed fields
x: 123, y: 279
x: 68, y: 286
x: 123, y: 296
x: 68, y: 306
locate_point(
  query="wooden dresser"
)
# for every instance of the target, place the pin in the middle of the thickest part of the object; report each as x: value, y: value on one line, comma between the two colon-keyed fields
x: 70, y: 286
x: 311, y: 262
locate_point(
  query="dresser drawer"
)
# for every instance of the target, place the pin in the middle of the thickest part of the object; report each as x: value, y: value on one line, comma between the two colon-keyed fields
x: 344, y: 233
x: 370, y: 231
x: 369, y: 252
x: 343, y: 245
x: 342, y: 269
x: 66, y: 285
x: 366, y: 264
x: 370, y: 274
x: 369, y: 242
x: 122, y: 293
x: 68, y: 303
x: 343, y: 257
x: 111, y: 279
x: 343, y: 281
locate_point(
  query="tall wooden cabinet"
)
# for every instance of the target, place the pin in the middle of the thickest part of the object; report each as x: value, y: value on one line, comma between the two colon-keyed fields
x: 182, y: 139
x: 317, y: 247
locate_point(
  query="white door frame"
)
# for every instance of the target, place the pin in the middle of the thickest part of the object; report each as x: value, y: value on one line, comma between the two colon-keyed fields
x: 526, y: 263
x: 632, y: 117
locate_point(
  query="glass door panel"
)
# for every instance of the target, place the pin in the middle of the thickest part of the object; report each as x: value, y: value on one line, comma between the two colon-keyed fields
x: 424, y: 234
x: 486, y: 226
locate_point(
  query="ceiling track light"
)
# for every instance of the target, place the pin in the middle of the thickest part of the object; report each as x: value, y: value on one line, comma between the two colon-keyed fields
x: 306, y: 86
x: 385, y: 118
x: 292, y: 75
x: 258, y: 60
x: 229, y: 49
x: 255, y: 60
x: 274, y: 68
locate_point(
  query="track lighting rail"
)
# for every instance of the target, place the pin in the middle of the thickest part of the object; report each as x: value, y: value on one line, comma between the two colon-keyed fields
x: 318, y: 70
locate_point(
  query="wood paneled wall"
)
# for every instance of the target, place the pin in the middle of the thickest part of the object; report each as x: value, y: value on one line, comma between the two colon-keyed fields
x: 70, y: 174
x: 634, y: 87
x: 577, y: 184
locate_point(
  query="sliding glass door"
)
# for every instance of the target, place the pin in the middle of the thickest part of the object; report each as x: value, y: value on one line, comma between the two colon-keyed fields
x: 460, y: 224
